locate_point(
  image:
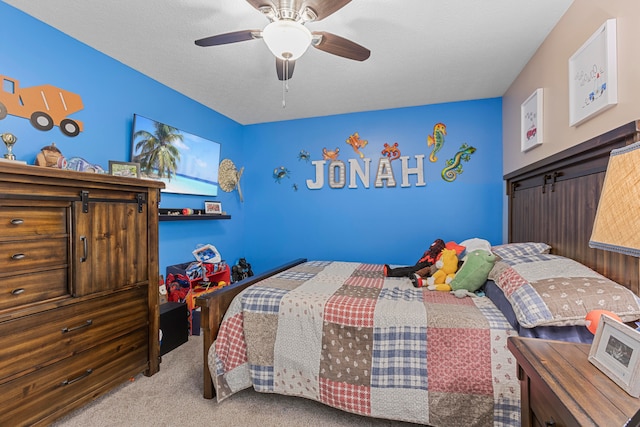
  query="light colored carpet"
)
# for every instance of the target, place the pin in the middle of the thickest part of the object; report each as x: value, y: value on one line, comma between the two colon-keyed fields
x: 173, y: 397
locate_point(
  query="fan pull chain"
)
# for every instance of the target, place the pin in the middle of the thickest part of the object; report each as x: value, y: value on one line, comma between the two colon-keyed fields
x: 285, y: 82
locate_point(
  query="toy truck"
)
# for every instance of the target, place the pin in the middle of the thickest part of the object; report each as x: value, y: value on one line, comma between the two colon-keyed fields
x: 44, y: 105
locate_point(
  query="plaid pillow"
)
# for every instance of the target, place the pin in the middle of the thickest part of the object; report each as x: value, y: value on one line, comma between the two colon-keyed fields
x: 511, y: 250
x: 550, y: 290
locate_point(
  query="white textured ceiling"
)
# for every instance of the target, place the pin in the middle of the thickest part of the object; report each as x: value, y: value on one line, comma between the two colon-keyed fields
x: 422, y: 51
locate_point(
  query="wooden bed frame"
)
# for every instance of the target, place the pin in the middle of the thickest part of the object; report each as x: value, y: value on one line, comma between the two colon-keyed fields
x: 553, y: 201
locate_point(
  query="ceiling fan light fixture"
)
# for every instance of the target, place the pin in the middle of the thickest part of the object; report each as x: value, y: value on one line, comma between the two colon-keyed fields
x: 287, y: 39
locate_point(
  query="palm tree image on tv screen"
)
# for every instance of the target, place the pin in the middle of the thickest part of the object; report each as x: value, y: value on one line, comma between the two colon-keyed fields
x: 186, y: 163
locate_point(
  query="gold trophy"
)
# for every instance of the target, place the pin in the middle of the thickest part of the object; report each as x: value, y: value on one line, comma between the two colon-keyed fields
x: 9, y: 140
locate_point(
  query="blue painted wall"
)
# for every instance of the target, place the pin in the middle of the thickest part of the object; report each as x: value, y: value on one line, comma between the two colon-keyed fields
x: 381, y: 225
x: 275, y: 223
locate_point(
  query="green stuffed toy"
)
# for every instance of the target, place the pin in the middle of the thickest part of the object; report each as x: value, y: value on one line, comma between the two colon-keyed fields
x: 474, y: 271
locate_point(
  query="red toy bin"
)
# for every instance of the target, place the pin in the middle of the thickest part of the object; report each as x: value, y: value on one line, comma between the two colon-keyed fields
x: 185, y: 284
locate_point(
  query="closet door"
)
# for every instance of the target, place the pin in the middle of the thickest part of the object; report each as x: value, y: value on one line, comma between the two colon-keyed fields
x: 110, y: 243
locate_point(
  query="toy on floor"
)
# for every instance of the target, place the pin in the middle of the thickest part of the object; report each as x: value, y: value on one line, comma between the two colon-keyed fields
x: 241, y: 271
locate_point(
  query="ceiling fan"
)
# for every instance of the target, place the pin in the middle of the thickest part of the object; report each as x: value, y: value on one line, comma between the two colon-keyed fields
x: 288, y: 38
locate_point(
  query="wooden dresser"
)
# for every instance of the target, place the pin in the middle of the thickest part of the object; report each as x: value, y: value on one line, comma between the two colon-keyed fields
x: 78, y: 288
x: 560, y: 387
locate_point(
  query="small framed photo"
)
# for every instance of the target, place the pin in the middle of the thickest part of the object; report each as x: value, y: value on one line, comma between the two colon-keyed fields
x: 129, y: 169
x: 212, y: 207
x: 531, y: 121
x: 616, y: 352
x: 208, y: 254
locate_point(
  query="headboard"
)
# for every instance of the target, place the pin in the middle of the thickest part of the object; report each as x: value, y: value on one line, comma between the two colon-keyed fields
x: 555, y: 200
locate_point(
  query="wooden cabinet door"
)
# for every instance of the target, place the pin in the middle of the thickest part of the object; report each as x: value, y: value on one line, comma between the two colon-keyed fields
x: 110, y: 244
x: 556, y: 209
x: 527, y: 207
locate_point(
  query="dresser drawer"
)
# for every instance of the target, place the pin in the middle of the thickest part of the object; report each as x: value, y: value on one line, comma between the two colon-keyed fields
x: 23, y: 289
x: 32, y: 342
x: 32, y: 221
x: 59, y: 388
x: 28, y: 254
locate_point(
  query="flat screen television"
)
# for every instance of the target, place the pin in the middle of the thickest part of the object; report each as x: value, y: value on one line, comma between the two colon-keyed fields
x: 186, y: 163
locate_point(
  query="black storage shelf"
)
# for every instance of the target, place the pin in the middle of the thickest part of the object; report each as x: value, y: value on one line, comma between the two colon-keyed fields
x: 197, y: 215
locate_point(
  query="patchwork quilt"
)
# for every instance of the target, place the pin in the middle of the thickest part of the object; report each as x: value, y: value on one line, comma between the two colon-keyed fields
x: 343, y: 334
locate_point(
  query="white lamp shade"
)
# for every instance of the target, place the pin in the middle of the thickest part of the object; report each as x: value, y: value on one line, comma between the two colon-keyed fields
x: 287, y: 39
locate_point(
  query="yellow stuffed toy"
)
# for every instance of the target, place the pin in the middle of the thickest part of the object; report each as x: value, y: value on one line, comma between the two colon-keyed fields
x: 447, y: 266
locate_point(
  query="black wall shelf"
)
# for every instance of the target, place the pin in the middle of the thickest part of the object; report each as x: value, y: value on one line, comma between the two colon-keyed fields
x: 197, y: 215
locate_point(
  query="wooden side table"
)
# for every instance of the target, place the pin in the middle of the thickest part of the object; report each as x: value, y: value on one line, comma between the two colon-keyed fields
x: 560, y: 387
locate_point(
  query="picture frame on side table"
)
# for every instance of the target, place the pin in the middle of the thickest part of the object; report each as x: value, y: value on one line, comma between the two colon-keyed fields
x: 213, y: 208
x: 128, y: 169
x: 616, y: 352
x: 531, y: 121
x: 593, y: 75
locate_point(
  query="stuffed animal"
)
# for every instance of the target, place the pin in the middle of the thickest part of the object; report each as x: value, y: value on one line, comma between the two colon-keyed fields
x: 51, y: 157
x: 81, y: 165
x: 177, y: 293
x: 422, y: 267
x: 447, y: 267
x: 474, y: 271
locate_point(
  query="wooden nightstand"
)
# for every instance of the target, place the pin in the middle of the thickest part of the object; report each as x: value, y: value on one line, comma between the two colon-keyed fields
x: 560, y: 387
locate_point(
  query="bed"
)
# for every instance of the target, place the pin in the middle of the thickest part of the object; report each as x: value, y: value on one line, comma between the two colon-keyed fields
x: 417, y: 373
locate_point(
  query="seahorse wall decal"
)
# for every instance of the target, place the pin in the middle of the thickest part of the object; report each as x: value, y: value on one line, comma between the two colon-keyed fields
x: 437, y: 140
x: 454, y: 166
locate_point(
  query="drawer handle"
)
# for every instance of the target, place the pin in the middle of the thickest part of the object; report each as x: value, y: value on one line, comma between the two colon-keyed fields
x: 84, y: 325
x: 83, y: 239
x: 17, y: 221
x: 17, y: 257
x: 85, y: 375
x: 17, y: 291
x: 550, y: 423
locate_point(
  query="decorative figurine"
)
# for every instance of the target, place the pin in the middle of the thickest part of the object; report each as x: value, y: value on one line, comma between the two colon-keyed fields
x: 280, y: 172
x: 9, y: 140
x: 51, y: 157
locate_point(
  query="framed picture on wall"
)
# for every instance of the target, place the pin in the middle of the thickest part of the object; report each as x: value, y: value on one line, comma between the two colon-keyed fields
x: 531, y: 121
x: 593, y: 75
x: 616, y: 352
